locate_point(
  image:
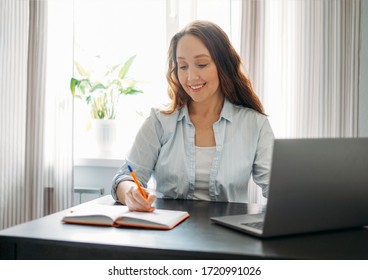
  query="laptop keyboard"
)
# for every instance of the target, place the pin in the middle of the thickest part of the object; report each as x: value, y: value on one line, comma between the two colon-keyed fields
x: 257, y: 225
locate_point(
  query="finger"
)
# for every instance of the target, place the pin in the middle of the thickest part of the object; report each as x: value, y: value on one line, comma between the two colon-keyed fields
x: 129, y: 201
x: 151, y: 198
x: 133, y: 205
x: 140, y: 203
x: 132, y: 200
x: 151, y: 209
x: 135, y: 201
x: 138, y: 196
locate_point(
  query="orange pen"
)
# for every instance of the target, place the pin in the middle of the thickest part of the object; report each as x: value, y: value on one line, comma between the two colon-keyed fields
x: 143, y: 193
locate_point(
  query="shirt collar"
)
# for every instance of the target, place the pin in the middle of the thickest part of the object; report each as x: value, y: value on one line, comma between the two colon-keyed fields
x: 183, y: 112
x: 226, y: 112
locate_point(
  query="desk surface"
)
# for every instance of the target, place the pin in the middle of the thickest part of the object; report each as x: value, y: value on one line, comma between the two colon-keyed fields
x: 195, y: 238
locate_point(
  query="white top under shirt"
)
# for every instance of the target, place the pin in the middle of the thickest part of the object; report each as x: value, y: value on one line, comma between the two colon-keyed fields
x: 203, y: 163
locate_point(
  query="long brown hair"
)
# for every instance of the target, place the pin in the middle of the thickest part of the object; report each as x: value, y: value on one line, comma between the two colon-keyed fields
x: 234, y: 84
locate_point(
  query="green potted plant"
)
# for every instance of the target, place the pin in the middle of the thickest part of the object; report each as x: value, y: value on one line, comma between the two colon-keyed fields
x: 102, y: 95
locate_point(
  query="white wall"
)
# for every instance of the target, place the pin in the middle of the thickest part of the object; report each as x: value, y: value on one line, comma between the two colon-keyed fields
x: 92, y: 177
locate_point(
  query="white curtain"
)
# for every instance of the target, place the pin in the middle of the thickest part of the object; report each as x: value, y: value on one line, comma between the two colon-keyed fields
x: 35, y: 175
x: 303, y: 59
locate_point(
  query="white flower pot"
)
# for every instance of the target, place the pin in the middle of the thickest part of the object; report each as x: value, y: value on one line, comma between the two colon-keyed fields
x: 105, y: 134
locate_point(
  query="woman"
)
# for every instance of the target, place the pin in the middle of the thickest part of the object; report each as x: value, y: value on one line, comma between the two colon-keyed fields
x: 212, y: 137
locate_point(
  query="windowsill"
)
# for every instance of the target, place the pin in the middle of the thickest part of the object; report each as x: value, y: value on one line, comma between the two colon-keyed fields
x: 91, y: 158
x: 98, y: 162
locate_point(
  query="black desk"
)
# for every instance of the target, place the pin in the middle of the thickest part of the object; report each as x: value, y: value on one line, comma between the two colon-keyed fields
x: 195, y: 238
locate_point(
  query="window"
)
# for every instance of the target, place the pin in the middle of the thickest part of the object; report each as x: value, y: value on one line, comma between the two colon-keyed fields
x: 107, y: 33
x: 110, y: 31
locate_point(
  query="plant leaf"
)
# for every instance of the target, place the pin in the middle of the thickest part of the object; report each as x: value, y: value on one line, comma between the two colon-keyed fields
x: 97, y: 86
x: 130, y: 90
x: 124, y: 70
x: 88, y: 99
x: 112, y: 69
x: 81, y: 70
x: 73, y: 84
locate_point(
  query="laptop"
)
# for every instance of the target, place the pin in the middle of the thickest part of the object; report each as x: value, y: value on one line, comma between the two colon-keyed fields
x: 315, y: 185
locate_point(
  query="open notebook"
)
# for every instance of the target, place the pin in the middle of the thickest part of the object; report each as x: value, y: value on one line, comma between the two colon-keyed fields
x: 119, y: 215
x: 315, y: 185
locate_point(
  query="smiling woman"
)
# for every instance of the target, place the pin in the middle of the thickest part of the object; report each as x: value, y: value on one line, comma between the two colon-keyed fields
x: 123, y: 29
x: 207, y: 145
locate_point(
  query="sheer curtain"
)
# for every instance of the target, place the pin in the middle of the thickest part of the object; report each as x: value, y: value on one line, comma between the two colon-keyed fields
x: 34, y: 181
x: 303, y: 59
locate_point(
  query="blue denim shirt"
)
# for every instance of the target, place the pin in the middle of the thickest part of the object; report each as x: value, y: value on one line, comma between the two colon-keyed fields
x: 164, y: 150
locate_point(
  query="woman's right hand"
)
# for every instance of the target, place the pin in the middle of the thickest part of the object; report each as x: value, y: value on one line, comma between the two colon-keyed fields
x: 128, y: 194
